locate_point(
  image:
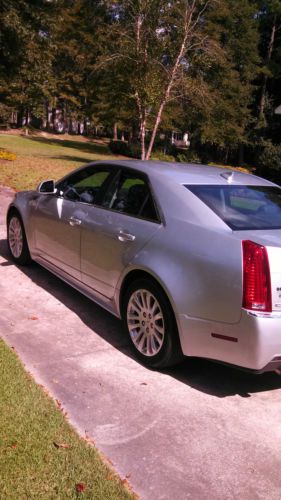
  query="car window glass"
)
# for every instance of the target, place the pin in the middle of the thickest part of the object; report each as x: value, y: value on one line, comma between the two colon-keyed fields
x: 243, y: 207
x: 85, y: 185
x: 130, y: 194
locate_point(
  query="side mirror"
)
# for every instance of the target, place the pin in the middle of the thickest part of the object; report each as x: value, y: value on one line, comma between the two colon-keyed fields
x: 47, y: 187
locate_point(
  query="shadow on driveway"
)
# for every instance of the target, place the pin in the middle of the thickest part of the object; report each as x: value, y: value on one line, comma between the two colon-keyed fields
x: 203, y: 375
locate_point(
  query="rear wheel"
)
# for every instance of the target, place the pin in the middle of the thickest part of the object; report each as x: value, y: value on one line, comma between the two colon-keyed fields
x: 17, y: 242
x: 149, y: 321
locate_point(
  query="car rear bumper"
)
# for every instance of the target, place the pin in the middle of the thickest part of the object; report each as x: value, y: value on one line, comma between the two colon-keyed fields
x: 254, y: 343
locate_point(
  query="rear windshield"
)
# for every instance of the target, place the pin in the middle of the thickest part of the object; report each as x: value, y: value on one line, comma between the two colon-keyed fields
x: 243, y: 207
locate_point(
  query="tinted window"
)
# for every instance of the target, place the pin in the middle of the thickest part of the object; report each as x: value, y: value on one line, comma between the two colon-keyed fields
x: 243, y: 207
x: 130, y: 194
x: 85, y: 185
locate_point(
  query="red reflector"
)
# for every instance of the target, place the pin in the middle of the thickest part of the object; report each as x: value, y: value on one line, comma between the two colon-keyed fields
x: 224, y: 337
x: 256, y: 278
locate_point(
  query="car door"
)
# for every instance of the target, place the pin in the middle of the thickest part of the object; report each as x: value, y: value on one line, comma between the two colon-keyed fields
x: 57, y: 218
x: 113, y: 233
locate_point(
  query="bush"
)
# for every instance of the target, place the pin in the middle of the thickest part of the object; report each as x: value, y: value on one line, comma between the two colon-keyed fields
x: 271, y: 157
x: 134, y: 150
x: 269, y: 163
x: 123, y: 148
x: 160, y: 156
x: 119, y: 148
x: 7, y: 155
x: 188, y: 157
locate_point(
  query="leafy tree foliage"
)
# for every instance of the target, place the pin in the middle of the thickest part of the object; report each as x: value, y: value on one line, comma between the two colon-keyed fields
x: 209, y: 67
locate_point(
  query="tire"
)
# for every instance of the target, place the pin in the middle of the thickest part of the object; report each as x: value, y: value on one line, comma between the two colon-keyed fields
x: 17, y: 242
x: 149, y: 322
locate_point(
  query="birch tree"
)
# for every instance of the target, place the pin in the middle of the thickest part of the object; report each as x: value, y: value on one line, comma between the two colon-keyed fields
x: 156, y: 43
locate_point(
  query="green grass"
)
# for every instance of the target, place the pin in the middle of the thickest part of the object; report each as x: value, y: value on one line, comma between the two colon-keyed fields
x: 46, y: 157
x: 31, y: 465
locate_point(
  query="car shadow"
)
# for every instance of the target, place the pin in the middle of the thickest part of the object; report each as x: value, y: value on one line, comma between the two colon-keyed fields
x: 203, y: 375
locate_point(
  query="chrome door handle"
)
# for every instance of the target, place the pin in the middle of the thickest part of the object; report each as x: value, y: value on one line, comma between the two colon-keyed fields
x: 74, y: 222
x: 125, y: 236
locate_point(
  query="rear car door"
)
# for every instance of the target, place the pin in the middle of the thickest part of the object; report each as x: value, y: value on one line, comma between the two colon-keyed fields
x: 113, y: 233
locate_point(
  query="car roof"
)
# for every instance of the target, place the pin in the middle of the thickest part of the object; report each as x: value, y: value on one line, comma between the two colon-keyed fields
x: 188, y: 173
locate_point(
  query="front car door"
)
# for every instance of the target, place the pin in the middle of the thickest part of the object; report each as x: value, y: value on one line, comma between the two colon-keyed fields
x: 57, y: 218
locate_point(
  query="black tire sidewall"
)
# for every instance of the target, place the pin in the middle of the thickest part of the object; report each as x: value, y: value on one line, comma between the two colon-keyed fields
x: 170, y: 352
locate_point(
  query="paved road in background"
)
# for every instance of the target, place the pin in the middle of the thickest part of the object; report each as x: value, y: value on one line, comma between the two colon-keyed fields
x: 199, y: 431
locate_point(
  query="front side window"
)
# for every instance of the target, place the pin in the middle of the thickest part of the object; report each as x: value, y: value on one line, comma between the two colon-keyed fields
x: 243, y: 207
x: 85, y: 185
x: 130, y: 194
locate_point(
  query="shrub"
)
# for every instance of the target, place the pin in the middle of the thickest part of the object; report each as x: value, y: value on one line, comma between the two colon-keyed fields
x: 160, y: 156
x: 269, y: 163
x: 7, y: 155
x: 188, y: 157
x: 119, y: 148
x: 134, y: 150
x: 271, y: 157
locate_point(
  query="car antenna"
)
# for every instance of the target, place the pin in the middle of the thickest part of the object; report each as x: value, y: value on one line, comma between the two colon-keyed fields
x: 228, y: 176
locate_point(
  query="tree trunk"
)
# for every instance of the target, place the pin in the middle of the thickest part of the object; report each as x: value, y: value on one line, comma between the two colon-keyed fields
x: 268, y: 59
x: 20, y: 117
x: 240, y: 155
x: 171, y: 80
x: 115, y: 132
x: 130, y: 136
x: 142, y: 137
x: 154, y: 131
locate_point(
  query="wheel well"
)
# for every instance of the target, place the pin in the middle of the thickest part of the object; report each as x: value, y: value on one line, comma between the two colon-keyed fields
x: 11, y: 211
x: 133, y: 276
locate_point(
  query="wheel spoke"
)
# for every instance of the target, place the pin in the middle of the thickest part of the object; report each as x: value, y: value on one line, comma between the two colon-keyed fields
x: 159, y: 329
x: 137, y: 303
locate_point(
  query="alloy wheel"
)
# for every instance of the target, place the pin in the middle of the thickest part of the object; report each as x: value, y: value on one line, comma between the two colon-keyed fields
x: 145, y: 322
x: 15, y: 237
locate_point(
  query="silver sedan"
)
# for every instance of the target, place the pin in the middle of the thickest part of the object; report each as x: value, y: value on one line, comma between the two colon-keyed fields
x: 188, y: 256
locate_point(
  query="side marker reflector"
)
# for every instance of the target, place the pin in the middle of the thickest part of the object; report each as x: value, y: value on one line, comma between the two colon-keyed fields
x: 224, y: 337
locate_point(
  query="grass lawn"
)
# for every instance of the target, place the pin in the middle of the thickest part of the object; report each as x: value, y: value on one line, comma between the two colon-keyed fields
x: 42, y: 157
x: 41, y: 456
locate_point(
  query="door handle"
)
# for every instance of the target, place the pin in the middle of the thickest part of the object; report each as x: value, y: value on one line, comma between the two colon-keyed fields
x: 125, y: 236
x: 74, y: 222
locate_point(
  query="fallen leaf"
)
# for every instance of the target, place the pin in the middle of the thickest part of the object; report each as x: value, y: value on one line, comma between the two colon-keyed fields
x: 61, y: 445
x: 14, y: 445
x: 80, y: 487
x: 125, y: 483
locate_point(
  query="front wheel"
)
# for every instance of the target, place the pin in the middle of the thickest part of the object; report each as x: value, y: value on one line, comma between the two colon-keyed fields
x: 17, y: 242
x: 149, y: 321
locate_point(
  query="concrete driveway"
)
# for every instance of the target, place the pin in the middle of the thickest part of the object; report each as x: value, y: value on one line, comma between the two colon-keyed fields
x: 199, y: 431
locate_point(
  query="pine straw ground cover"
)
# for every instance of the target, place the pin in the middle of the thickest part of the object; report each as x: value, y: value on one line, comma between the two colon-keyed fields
x: 41, y: 456
x: 42, y: 157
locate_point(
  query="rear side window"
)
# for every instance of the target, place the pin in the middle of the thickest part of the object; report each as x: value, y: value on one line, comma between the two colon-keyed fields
x: 130, y: 194
x: 243, y: 207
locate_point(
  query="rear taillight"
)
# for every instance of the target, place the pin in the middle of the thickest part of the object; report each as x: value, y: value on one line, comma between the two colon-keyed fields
x: 256, y: 278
